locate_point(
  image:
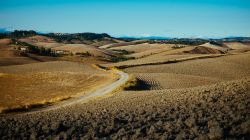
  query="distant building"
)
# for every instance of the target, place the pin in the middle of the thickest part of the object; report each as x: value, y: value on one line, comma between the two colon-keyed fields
x: 179, y: 46
x: 23, y: 48
x: 62, y: 52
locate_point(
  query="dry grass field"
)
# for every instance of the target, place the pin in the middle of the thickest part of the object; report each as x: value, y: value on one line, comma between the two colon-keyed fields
x: 193, y: 73
x: 145, y: 49
x: 27, y: 85
x: 161, y: 58
x: 212, y: 46
x: 82, y: 48
x: 46, y: 42
x: 166, y: 54
x: 5, y: 41
x: 237, y: 45
x: 37, y: 38
x: 195, y: 92
x: 204, y: 50
x: 157, y: 81
x: 217, y: 111
x: 9, y: 56
x: 122, y: 43
x: 106, y: 42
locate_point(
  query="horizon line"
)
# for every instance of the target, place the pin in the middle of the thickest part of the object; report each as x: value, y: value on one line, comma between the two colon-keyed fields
x: 9, y: 29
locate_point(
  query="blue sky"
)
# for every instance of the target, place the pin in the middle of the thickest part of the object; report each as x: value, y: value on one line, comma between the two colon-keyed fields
x: 170, y: 18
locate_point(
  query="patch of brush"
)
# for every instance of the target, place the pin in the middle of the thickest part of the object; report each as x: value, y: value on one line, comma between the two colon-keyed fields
x: 136, y: 84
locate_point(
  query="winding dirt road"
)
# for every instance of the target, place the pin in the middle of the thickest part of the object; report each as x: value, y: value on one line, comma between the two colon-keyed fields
x: 85, y: 98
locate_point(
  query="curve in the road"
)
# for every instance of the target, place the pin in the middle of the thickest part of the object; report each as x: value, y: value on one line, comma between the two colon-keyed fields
x: 102, y: 91
x: 85, y: 98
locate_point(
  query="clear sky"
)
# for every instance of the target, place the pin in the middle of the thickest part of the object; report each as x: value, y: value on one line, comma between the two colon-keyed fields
x: 170, y: 18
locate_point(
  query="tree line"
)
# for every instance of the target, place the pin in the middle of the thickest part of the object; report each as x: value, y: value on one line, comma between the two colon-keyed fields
x: 36, y: 50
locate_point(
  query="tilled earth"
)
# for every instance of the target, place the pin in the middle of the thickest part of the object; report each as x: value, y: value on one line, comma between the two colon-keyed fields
x: 219, y: 111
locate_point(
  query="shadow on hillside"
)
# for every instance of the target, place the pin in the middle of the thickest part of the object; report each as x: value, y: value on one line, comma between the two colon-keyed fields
x: 140, y: 85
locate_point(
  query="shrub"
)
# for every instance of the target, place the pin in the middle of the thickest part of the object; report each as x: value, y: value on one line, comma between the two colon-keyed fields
x: 120, y: 58
x: 84, y: 54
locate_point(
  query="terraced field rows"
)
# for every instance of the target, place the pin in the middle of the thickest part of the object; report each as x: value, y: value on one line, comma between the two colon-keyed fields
x: 224, y: 68
x: 143, y: 50
x: 217, y: 111
x: 159, y: 81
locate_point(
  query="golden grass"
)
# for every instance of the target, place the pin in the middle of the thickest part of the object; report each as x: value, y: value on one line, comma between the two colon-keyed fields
x: 169, y: 60
x: 158, y: 81
x: 27, y: 106
x: 5, y: 41
x: 208, y: 45
x: 131, y: 83
x: 224, y: 68
x: 10, y: 56
x: 24, y: 88
x: 41, y: 41
x: 143, y: 50
x: 210, y: 111
x: 37, y: 38
x: 237, y: 45
x: 163, y: 57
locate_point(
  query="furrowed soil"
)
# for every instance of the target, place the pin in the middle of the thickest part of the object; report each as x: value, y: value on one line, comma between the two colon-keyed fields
x: 167, y: 55
x: 221, y: 68
x: 201, y: 98
x: 209, y: 112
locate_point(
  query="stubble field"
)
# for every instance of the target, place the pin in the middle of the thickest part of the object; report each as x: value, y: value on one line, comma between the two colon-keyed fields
x: 189, y: 93
x: 41, y: 83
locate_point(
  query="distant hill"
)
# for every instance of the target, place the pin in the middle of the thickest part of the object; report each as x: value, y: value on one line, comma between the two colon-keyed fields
x: 17, y: 34
x: 129, y: 38
x: 76, y: 38
x: 232, y: 39
x: 84, y: 38
x: 158, y: 39
x: 96, y: 39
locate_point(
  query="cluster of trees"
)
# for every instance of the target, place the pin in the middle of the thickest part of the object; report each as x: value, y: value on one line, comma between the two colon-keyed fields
x: 187, y: 41
x: 84, y: 54
x: 124, y: 52
x: 68, y: 38
x: 218, y: 43
x: 3, y: 35
x: 21, y: 33
x: 78, y: 36
x: 37, y: 50
x: 18, y: 34
x: 120, y: 58
x: 42, y: 51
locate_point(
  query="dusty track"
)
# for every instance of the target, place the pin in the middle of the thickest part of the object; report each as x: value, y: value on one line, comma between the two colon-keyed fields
x: 98, y: 93
x: 85, y: 98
